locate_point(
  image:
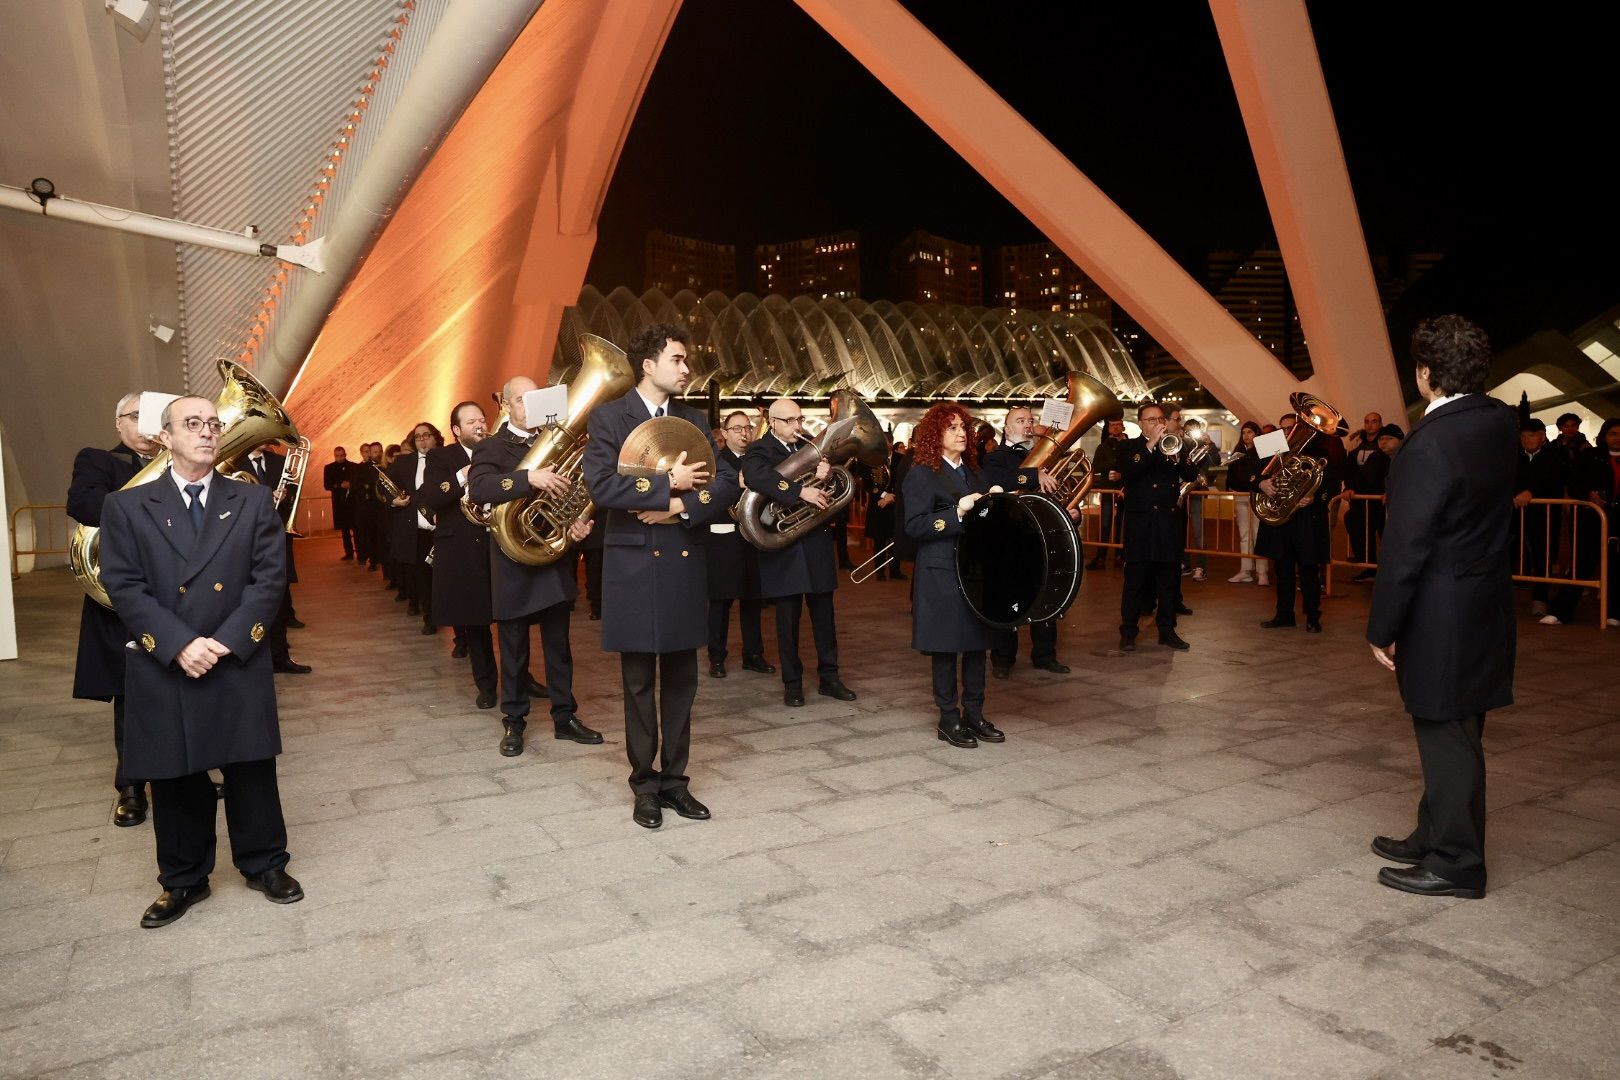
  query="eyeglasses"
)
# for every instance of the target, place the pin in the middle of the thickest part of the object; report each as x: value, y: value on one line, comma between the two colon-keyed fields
x: 788, y: 419
x: 737, y: 429
x: 128, y: 415
x: 195, y: 424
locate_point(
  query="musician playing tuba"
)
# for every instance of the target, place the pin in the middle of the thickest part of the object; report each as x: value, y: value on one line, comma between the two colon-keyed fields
x: 1300, y: 542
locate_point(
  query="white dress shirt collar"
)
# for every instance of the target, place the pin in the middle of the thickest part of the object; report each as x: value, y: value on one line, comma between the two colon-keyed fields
x: 652, y: 410
x: 1437, y: 402
x: 180, y: 483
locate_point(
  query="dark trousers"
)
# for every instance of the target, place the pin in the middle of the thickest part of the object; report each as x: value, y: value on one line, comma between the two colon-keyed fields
x: 1540, y: 545
x: 183, y: 811
x: 422, y: 575
x: 823, y: 627
x: 514, y: 634
x: 945, y: 685
x: 1451, y: 814
x: 363, y: 550
x: 1364, y: 525
x: 658, y: 718
x: 753, y: 642
x: 1042, y: 644
x: 119, y: 779
x: 593, y: 579
x: 278, y: 629
x: 480, y: 644
x: 348, y: 539
x: 1568, y: 597
x: 1161, y: 581
x: 1310, y: 586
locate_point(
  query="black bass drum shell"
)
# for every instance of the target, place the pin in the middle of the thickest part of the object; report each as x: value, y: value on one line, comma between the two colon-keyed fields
x: 1018, y: 559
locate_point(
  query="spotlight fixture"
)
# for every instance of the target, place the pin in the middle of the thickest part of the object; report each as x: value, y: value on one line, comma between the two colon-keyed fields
x: 163, y: 333
x: 42, y: 190
x: 134, y: 16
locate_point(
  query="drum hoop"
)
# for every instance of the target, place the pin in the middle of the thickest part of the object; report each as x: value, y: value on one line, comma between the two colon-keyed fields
x: 1022, y: 498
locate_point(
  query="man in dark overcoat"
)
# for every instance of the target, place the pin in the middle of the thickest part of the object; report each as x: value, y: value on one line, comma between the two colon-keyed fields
x: 1003, y: 468
x: 655, y: 573
x: 195, y: 564
x: 1442, y: 609
x: 410, y: 532
x: 1154, y: 531
x: 734, y: 569
x: 336, y: 479
x: 805, y: 572
x: 1302, y: 544
x: 366, y: 502
x: 98, y: 672
x: 525, y: 595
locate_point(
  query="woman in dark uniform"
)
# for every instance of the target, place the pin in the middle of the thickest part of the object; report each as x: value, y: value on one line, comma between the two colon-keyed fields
x: 941, y: 485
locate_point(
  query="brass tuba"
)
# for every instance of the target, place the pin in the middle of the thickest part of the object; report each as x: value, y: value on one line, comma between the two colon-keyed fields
x: 853, y: 434
x: 251, y: 418
x: 1295, y: 476
x: 1060, y: 454
x: 533, y: 530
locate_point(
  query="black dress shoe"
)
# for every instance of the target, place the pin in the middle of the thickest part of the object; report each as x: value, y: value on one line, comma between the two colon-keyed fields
x: 485, y: 699
x: 792, y: 696
x: 1000, y: 671
x: 1278, y: 622
x: 428, y: 629
x: 1424, y: 882
x: 957, y: 734
x: 571, y: 730
x: 1183, y: 609
x: 291, y: 667
x: 757, y: 663
x: 1053, y: 666
x: 596, y: 616
x: 682, y: 803
x: 278, y: 886
x: 1313, y: 626
x: 131, y: 808
x: 1172, y: 640
x: 173, y: 904
x: 983, y: 729
x: 1387, y: 847
x: 295, y: 624
x: 459, y: 652
x: 895, y: 575
x: 1127, y: 644
x: 512, y: 741
x: 535, y: 688
x: 717, y: 670
x: 347, y: 558
x: 1094, y: 564
x: 836, y: 690
x: 414, y: 609
x: 647, y: 814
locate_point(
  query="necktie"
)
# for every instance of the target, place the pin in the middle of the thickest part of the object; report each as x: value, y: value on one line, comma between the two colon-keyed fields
x: 195, y: 491
x: 658, y: 411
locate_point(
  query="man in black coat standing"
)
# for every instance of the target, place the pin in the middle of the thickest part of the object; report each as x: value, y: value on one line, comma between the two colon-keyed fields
x: 523, y: 595
x: 1442, y: 610
x: 410, y: 532
x: 1154, y: 533
x: 196, y: 564
x: 654, y: 573
x: 1543, y: 473
x: 734, y: 570
x: 98, y: 673
x: 1300, y: 546
x: 805, y: 573
x: 1003, y: 468
x: 336, y: 480
x: 1366, y: 472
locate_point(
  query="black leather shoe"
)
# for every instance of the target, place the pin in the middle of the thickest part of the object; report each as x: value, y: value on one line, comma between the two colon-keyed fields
x: 957, y: 734
x: 757, y: 663
x: 459, y: 652
x: 131, y: 808
x: 1313, y: 626
x: 512, y: 741
x: 596, y: 616
x: 792, y: 696
x: 571, y: 730
x: 295, y: 624
x: 414, y: 608
x: 428, y: 629
x: 485, y: 699
x: 895, y: 575
x: 347, y: 558
x: 1183, y: 609
x: 1277, y: 622
x: 1000, y: 671
x: 647, y: 814
x: 836, y: 690
x: 1053, y: 666
x: 535, y: 688
x: 1127, y: 644
x: 1094, y: 564
x: 173, y: 904
x: 682, y: 803
x: 291, y: 667
x: 983, y: 729
x: 1172, y: 640
x: 1416, y: 879
x: 278, y: 886
x: 1387, y: 847
x: 717, y: 670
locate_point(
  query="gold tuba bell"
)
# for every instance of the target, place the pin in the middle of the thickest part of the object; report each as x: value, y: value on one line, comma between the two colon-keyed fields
x: 1060, y: 454
x: 1295, y: 476
x: 852, y: 434
x: 251, y: 418
x: 533, y: 530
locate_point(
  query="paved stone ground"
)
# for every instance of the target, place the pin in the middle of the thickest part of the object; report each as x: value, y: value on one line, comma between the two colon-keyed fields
x: 1163, y: 872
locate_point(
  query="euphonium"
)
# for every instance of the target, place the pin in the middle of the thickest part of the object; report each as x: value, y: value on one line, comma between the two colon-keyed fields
x: 853, y: 433
x: 1295, y: 476
x: 1060, y: 455
x: 251, y: 418
x: 533, y: 530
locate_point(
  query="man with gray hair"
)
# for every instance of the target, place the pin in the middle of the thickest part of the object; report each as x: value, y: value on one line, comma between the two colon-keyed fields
x: 98, y: 673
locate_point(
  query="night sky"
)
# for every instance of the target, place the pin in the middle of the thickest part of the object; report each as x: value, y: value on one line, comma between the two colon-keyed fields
x: 1486, y: 134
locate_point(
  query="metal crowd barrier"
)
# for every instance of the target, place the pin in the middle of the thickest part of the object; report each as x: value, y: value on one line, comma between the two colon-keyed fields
x: 55, y: 533
x: 1565, y: 546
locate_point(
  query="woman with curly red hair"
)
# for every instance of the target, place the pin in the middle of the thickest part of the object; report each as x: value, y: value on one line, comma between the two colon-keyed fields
x: 942, y: 484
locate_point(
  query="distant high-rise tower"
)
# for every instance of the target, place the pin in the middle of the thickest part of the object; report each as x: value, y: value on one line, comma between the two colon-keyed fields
x: 1254, y: 288
x: 680, y: 262
x: 930, y: 269
x: 1040, y: 276
x: 818, y: 266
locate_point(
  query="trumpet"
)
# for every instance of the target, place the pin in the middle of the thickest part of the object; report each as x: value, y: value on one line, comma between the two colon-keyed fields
x: 387, y: 490
x: 1194, y: 433
x: 483, y: 513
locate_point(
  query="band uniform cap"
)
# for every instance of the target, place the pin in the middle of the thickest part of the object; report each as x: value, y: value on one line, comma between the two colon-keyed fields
x: 257, y: 633
x: 506, y: 483
x: 643, y: 484
x: 148, y: 642
x: 705, y: 497
x: 939, y: 524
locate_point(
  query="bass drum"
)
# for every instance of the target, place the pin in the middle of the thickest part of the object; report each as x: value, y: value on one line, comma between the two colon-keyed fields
x: 1018, y: 560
